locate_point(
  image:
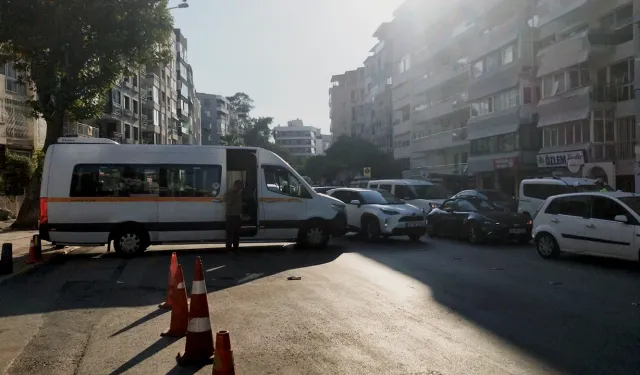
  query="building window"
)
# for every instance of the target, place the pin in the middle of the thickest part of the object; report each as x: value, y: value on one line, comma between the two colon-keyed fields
x: 156, y: 117
x: 11, y: 80
x: 155, y: 95
x: 135, y: 80
x: 405, y: 64
x: 127, y: 103
x: 117, y: 97
x: 567, y: 134
x: 507, y: 55
x: 406, y: 113
x: 135, y: 106
x: 621, y: 78
x: 561, y: 82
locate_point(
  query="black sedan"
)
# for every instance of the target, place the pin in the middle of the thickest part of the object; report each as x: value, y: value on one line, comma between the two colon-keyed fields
x: 495, y: 197
x: 324, y: 189
x: 478, y: 221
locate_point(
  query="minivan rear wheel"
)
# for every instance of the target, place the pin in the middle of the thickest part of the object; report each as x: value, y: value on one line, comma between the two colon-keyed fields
x: 129, y: 243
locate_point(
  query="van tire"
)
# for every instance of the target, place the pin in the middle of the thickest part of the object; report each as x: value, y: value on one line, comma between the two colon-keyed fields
x: 130, y: 240
x: 314, y: 235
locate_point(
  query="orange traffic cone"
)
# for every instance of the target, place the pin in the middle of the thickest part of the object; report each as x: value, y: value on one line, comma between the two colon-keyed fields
x: 173, y: 269
x: 223, y: 359
x: 179, y: 310
x: 199, y: 346
x: 35, y: 251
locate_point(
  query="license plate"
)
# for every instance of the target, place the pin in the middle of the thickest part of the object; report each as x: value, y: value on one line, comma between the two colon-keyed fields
x: 517, y: 231
x: 414, y: 225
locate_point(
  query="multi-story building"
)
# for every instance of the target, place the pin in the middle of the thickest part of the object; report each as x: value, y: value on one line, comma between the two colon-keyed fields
x: 345, y: 103
x: 19, y: 132
x: 586, y: 73
x: 186, y: 91
x: 432, y: 92
x: 215, y: 117
x: 323, y: 143
x: 377, y: 106
x: 298, y: 139
x: 121, y: 120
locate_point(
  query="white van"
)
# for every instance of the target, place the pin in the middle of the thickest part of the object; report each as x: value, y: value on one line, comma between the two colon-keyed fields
x: 95, y: 191
x: 422, y: 194
x: 534, y: 191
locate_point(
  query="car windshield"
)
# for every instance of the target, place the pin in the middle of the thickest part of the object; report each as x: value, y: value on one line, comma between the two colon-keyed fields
x: 379, y: 197
x: 430, y: 192
x: 632, y: 202
x: 495, y: 195
x: 594, y: 187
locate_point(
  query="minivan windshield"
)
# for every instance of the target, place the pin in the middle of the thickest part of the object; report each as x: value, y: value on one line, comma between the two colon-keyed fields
x: 379, y: 197
x: 430, y: 192
x: 588, y: 188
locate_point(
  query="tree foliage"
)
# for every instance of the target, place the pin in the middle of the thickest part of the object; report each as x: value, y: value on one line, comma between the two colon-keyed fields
x: 18, y: 171
x: 72, y: 52
x: 350, y: 155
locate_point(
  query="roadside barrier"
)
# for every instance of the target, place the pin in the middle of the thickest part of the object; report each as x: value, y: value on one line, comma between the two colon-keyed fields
x: 199, y: 344
x: 6, y: 259
x: 173, y: 269
x: 223, y: 358
x: 35, y: 251
x: 179, y: 309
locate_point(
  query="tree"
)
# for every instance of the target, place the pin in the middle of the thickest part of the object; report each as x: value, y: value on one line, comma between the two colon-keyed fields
x: 240, y: 105
x: 258, y: 133
x: 72, y: 52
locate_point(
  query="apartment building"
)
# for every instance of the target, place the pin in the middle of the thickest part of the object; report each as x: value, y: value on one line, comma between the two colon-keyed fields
x: 323, y: 143
x: 215, y: 117
x: 378, y: 79
x: 586, y: 73
x: 19, y: 132
x: 186, y: 91
x: 298, y: 139
x: 345, y: 107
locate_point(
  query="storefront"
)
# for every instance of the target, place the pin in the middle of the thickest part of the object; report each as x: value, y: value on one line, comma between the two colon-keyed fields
x: 502, y: 171
x: 561, y: 164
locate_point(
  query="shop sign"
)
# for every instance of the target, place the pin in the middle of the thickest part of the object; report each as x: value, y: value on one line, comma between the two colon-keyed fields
x: 505, y: 163
x: 561, y: 159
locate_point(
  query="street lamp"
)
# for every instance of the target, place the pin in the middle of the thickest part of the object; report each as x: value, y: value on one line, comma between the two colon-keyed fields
x: 180, y: 6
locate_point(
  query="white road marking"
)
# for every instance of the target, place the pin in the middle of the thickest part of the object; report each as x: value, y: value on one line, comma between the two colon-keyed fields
x: 214, y: 268
x: 249, y: 277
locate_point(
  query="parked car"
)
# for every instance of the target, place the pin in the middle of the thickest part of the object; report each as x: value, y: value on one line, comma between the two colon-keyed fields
x: 377, y: 213
x: 534, y: 191
x: 324, y: 189
x: 423, y: 194
x: 593, y: 223
x: 495, y: 197
x: 478, y: 221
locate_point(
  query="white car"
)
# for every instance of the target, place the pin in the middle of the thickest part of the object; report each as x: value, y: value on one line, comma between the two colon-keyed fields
x: 377, y: 213
x: 603, y: 224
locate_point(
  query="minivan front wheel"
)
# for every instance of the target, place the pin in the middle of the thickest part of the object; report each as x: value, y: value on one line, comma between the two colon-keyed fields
x: 314, y: 236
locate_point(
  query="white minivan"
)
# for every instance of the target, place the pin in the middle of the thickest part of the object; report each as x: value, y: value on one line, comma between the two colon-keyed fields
x: 422, y: 194
x: 95, y: 191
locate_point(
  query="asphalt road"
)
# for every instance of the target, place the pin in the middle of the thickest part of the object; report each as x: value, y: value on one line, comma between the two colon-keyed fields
x: 441, y: 307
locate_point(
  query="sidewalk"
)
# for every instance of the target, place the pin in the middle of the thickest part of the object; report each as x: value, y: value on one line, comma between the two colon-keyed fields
x: 21, y: 241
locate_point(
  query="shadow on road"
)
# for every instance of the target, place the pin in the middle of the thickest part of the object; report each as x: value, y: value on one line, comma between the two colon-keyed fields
x: 585, y: 323
x: 154, y: 348
x: 121, y: 282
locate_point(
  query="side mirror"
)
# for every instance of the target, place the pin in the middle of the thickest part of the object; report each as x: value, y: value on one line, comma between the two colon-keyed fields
x: 621, y: 219
x: 355, y: 202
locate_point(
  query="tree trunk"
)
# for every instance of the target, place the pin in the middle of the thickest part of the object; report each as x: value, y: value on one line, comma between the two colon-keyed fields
x: 29, y: 214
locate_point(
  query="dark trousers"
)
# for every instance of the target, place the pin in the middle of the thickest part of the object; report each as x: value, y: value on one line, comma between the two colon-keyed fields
x: 234, y: 224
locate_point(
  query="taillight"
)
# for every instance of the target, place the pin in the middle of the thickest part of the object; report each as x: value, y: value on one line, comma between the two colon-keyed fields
x: 44, y: 211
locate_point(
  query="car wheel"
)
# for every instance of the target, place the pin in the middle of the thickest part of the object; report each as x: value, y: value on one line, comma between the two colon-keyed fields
x: 129, y: 243
x: 474, y: 235
x: 315, y: 237
x: 414, y: 237
x: 372, y: 230
x: 547, y: 246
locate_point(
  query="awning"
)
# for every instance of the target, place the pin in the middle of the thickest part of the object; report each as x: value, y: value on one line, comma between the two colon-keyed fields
x: 574, y: 105
x: 485, y: 163
x: 498, y: 123
x: 488, y: 84
x: 565, y: 54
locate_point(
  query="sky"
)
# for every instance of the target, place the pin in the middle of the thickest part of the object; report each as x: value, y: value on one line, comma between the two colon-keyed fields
x: 282, y: 53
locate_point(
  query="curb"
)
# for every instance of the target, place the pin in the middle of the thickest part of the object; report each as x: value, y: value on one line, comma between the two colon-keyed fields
x: 47, y: 258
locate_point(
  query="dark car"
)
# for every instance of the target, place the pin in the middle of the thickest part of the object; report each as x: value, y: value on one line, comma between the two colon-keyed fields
x: 324, y: 189
x: 477, y: 220
x: 495, y: 197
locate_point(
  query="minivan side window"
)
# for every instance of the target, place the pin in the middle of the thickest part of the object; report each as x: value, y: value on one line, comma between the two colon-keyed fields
x: 543, y: 191
x: 280, y: 180
x: 385, y: 187
x: 402, y: 192
x: 130, y: 180
x: 578, y: 206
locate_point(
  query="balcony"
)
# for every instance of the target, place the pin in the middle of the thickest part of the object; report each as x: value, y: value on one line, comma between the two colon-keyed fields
x: 77, y: 129
x: 570, y: 52
x: 428, y: 111
x: 444, y: 74
x: 498, y: 36
x: 499, y: 123
x: 439, y: 141
x: 577, y: 104
x: 15, y: 124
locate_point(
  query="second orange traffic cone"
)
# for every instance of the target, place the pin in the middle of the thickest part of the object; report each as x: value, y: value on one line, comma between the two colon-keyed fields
x: 223, y: 359
x: 35, y: 251
x: 173, y: 269
x: 179, y: 310
x: 199, y: 346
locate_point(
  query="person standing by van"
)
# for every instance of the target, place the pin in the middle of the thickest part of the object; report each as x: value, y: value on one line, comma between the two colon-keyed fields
x: 234, y: 202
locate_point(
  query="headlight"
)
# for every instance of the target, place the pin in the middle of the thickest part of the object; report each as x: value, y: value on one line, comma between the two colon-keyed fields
x: 338, y: 207
x: 390, y: 212
x: 530, y: 222
x: 433, y: 205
